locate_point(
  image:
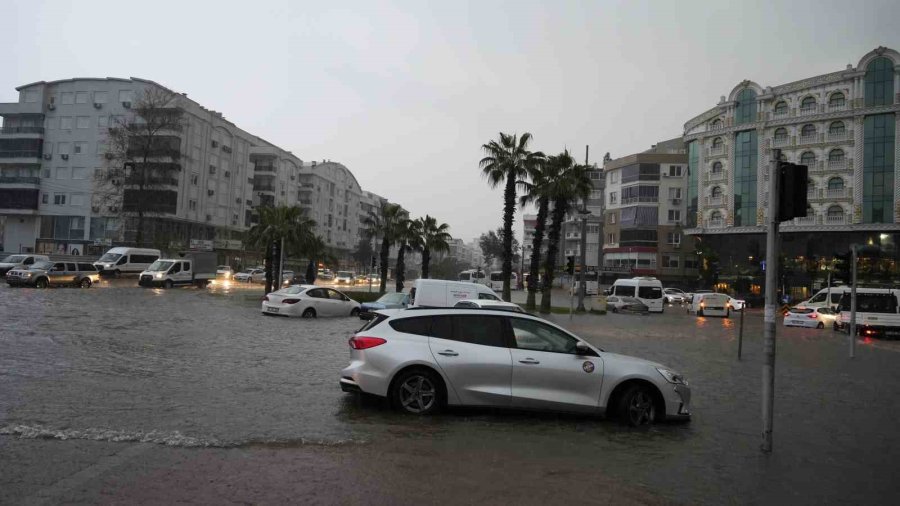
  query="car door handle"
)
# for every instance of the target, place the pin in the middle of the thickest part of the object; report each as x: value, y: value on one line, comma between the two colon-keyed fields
x: 529, y: 361
x: 448, y: 353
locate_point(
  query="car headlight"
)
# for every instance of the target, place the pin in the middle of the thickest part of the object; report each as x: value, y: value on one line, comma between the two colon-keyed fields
x: 672, y: 376
x: 28, y: 274
x: 159, y: 275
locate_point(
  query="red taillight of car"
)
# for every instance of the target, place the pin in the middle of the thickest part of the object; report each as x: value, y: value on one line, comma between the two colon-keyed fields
x: 364, y: 343
x: 812, y: 316
x: 290, y: 301
x: 265, y: 297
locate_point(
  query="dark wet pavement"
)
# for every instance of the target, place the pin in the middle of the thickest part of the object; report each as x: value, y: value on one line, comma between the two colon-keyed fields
x: 189, y: 368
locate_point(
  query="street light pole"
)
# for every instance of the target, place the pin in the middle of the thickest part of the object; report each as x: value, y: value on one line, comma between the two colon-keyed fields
x: 768, y: 393
x: 584, y: 214
x: 853, y: 259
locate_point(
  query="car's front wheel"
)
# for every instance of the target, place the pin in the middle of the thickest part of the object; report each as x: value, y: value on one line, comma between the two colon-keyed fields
x: 85, y: 283
x: 41, y: 283
x: 417, y: 392
x: 636, y: 406
x: 820, y: 325
x: 309, y: 313
x: 354, y: 311
x: 168, y: 284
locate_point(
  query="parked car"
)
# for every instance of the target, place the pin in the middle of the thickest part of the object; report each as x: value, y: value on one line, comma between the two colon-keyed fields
x: 224, y: 272
x: 20, y: 261
x: 45, y: 273
x: 674, y: 296
x: 619, y: 304
x: 344, y: 278
x: 424, y: 359
x: 393, y: 300
x: 253, y: 275
x: 118, y: 261
x: 710, y: 304
x: 817, y: 317
x: 737, y: 304
x: 648, y: 289
x: 498, y: 305
x: 309, y: 301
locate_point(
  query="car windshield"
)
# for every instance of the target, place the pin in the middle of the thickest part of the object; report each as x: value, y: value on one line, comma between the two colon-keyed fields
x: 42, y: 265
x: 160, y: 266
x: 14, y: 259
x: 344, y: 274
x: 871, y: 302
x: 392, y: 298
x: 223, y: 268
x: 801, y: 310
x: 110, y: 257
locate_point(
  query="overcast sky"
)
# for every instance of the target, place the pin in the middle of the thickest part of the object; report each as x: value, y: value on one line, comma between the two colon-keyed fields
x: 405, y: 93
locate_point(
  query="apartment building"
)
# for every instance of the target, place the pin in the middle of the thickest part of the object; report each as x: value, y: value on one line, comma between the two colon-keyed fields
x: 644, y: 215
x: 843, y: 125
x: 571, y: 232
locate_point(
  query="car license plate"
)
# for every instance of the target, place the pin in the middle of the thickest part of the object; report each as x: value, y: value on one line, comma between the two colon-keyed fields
x: 272, y: 309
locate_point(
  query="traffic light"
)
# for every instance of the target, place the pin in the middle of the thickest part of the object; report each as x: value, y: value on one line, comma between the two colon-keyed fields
x: 792, y: 196
x: 570, y: 265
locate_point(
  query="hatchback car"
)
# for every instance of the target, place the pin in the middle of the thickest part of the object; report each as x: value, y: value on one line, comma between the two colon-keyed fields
x: 224, y: 272
x: 43, y: 274
x: 674, y: 296
x: 619, y: 304
x: 817, y: 317
x: 251, y: 276
x: 309, y: 301
x: 424, y: 359
x: 393, y: 300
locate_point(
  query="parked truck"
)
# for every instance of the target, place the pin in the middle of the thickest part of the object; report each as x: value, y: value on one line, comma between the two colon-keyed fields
x: 191, y: 268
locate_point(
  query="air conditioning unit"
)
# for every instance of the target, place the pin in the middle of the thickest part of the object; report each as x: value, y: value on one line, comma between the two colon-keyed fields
x: 210, y: 192
x: 64, y: 156
x: 126, y: 105
x: 212, y: 169
x: 51, y: 107
x: 48, y: 156
x: 237, y: 200
x: 98, y: 105
x: 115, y: 182
x: 292, y: 178
x: 215, y: 144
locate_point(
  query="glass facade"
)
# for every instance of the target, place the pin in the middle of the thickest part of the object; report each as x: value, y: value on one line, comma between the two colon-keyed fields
x: 879, y: 82
x: 693, y: 170
x: 878, y: 166
x: 745, y: 112
x: 745, y: 162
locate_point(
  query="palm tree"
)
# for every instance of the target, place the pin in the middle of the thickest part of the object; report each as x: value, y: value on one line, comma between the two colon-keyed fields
x: 542, y: 175
x: 507, y: 161
x: 408, y: 236
x: 570, y: 184
x: 435, y: 239
x: 317, y: 251
x: 383, y: 223
x: 280, y: 225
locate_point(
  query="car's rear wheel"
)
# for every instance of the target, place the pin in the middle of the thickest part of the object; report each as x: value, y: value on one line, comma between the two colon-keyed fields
x: 309, y: 313
x: 85, y: 283
x: 820, y: 325
x: 417, y: 392
x: 354, y: 311
x: 41, y: 283
x: 636, y: 406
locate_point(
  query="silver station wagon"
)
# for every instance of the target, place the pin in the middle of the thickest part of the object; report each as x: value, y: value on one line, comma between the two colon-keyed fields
x: 424, y: 359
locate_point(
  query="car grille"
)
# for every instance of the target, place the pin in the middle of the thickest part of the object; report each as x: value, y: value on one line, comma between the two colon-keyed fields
x: 146, y: 279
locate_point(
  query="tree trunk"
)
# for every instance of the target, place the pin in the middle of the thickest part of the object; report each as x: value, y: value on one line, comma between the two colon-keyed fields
x: 139, y: 236
x: 536, y: 243
x: 385, y: 252
x: 268, y: 265
x: 559, y: 214
x: 399, y: 275
x: 509, y: 211
x: 311, y: 272
x: 426, y: 259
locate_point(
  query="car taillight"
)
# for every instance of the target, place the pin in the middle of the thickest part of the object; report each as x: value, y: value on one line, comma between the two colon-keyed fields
x: 812, y: 316
x: 266, y: 297
x: 364, y: 343
x: 290, y: 301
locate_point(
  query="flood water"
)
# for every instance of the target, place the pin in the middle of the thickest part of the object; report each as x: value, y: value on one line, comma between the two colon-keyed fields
x: 202, y: 368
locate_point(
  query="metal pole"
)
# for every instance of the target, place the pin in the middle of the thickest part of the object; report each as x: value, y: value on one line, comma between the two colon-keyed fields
x: 581, y: 288
x: 768, y: 371
x: 281, y: 264
x: 829, y: 290
x: 741, y: 332
x: 853, y: 304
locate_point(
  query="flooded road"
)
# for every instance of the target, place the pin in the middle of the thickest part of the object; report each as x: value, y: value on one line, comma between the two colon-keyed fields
x: 194, y: 369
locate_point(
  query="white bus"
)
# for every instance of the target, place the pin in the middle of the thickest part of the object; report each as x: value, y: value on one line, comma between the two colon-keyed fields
x: 647, y: 290
x: 591, y: 283
x: 473, y: 276
x: 496, y: 281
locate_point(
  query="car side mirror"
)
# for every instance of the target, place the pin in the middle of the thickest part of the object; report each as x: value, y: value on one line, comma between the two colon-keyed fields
x: 582, y: 348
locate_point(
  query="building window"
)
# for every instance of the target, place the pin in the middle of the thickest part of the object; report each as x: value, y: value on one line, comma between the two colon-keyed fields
x: 81, y: 97
x: 836, y: 100
x: 45, y: 173
x: 192, y: 205
x: 717, y: 143
x: 673, y: 238
x: 716, y: 168
x: 80, y: 148
x: 79, y: 173
x: 674, y: 193
x: 610, y: 238
x: 77, y: 200
x: 878, y: 168
x: 744, y: 167
x: 808, y: 158
x: 612, y: 197
x: 99, y: 97
x: 716, y: 192
x: 836, y: 128
x: 59, y: 199
x: 68, y: 98
x: 835, y: 212
x: 102, y: 121
x: 879, y: 82
x: 83, y: 122
x: 675, y: 170
x: 124, y: 95
x: 674, y: 215
x: 45, y: 198
x: 65, y: 123
x: 745, y: 111
x: 62, y: 173
x: 836, y: 183
x: 669, y: 261
x: 836, y: 155
x: 612, y: 218
x: 194, y: 179
x: 716, y: 216
x: 716, y: 124
x: 808, y: 130
x: 614, y: 176
x: 781, y: 135
x: 808, y: 103
x: 781, y: 108
x: 31, y: 97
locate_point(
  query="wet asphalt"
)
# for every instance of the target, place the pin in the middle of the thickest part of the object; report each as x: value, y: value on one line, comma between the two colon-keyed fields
x: 182, y: 372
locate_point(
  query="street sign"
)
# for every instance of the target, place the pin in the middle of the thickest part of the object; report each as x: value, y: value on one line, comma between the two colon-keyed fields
x: 201, y: 245
x: 762, y: 263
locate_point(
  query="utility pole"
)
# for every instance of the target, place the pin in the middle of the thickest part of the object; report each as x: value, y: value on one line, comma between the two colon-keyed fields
x: 853, y: 259
x: 768, y: 393
x: 584, y: 214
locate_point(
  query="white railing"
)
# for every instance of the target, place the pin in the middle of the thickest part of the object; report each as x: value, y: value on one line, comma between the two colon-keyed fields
x: 812, y: 193
x: 837, y: 193
x: 781, y: 114
x: 716, y: 223
x: 715, y: 151
x: 805, y: 220
x: 632, y: 200
x: 838, y: 107
x: 573, y: 235
x: 716, y: 176
x: 837, y: 164
x: 809, y: 139
x: 781, y: 141
x: 805, y: 111
x: 841, y: 219
x: 715, y: 201
x: 839, y: 136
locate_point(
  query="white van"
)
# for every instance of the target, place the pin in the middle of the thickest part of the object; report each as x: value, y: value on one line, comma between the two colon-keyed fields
x: 472, y: 276
x: 877, y: 312
x: 711, y: 304
x: 496, y: 281
x: 440, y: 293
x: 820, y: 298
x: 591, y: 283
x: 118, y: 261
x: 648, y: 290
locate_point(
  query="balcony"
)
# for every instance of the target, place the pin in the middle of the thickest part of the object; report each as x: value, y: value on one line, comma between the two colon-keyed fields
x: 781, y: 114
x: 716, y: 223
x: 19, y: 200
x: 717, y: 176
x: 20, y: 180
x: 807, y: 111
x: 14, y: 130
x: 841, y: 106
x: 717, y: 151
x: 264, y: 168
x: 837, y: 219
x: 781, y: 141
x: 809, y: 139
x: 13, y: 157
x: 805, y: 221
x: 264, y: 188
x: 837, y: 193
x: 635, y: 200
x: 843, y: 135
x: 715, y: 201
x: 307, y: 187
x: 840, y: 164
x: 14, y: 108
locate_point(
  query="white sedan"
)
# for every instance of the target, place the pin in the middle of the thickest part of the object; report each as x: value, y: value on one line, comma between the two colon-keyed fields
x: 737, y: 304
x: 817, y: 317
x: 251, y: 276
x: 309, y: 301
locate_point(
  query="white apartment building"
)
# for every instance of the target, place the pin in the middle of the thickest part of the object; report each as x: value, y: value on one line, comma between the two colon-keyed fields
x: 571, y: 232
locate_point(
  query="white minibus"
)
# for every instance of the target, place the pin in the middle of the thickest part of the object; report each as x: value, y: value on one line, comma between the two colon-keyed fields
x: 496, y: 281
x: 122, y: 260
x: 648, y: 290
x: 820, y: 299
x: 472, y: 276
